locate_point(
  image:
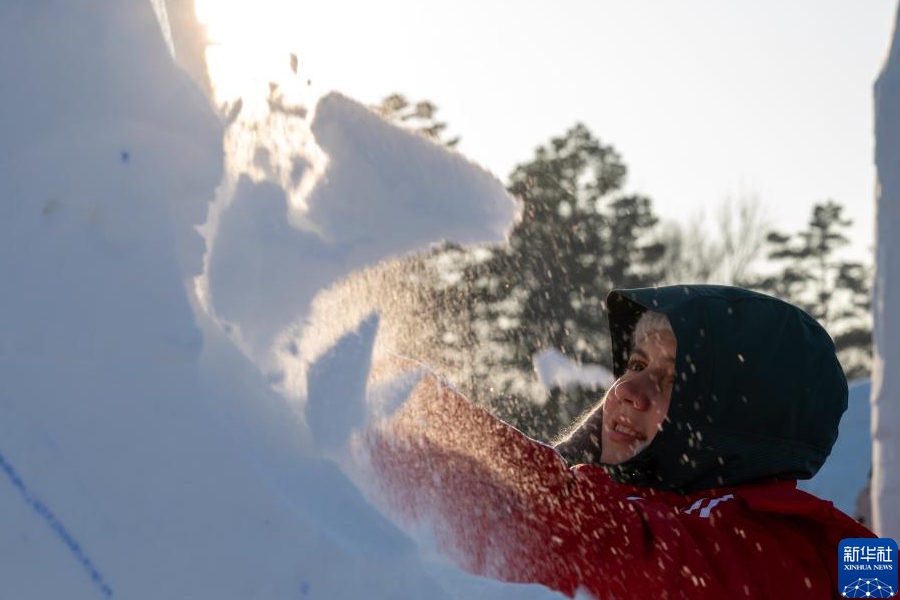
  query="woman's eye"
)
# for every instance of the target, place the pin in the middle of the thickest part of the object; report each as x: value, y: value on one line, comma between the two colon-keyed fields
x: 635, y: 365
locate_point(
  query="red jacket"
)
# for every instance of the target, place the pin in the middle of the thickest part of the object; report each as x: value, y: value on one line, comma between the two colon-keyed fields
x: 505, y: 506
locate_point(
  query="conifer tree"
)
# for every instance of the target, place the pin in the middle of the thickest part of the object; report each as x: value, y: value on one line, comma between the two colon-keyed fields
x: 579, y: 237
x: 837, y: 292
x: 420, y: 117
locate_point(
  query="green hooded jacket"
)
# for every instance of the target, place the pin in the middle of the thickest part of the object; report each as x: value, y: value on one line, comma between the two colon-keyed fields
x: 758, y: 391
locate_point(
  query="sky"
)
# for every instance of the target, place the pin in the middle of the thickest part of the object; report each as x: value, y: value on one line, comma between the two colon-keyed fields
x: 707, y: 101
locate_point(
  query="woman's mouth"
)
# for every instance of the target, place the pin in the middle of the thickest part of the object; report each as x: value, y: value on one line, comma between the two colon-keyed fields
x: 626, y: 433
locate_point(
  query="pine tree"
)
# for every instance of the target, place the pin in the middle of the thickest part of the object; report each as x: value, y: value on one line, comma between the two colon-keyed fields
x: 420, y: 117
x: 837, y: 292
x: 579, y: 237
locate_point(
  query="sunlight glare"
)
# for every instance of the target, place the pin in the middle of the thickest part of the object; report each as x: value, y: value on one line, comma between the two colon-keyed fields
x: 262, y: 88
x: 250, y: 42
x: 262, y: 22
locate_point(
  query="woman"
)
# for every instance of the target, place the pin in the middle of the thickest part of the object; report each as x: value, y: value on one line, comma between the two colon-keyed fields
x: 684, y: 476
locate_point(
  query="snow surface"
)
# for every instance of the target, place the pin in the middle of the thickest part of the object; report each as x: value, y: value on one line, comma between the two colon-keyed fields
x: 384, y: 192
x: 846, y: 471
x: 885, y: 298
x: 142, y: 453
x: 144, y: 450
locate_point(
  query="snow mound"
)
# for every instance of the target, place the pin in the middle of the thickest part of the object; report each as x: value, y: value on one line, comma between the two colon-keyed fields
x: 142, y: 454
x: 846, y: 471
x: 384, y: 192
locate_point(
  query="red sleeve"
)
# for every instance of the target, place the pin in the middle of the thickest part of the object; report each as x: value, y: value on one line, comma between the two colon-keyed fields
x: 505, y: 506
x: 492, y: 495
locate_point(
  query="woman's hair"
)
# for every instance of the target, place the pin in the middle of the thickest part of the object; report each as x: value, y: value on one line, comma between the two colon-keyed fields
x: 649, y: 323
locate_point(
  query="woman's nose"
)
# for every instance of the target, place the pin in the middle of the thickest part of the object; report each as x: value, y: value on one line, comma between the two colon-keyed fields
x: 635, y: 391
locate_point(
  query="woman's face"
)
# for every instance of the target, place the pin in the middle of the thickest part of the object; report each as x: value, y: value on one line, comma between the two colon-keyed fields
x: 636, y: 405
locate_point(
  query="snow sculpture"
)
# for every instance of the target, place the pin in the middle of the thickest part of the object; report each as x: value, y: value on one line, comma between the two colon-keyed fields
x: 886, y: 300
x: 141, y: 454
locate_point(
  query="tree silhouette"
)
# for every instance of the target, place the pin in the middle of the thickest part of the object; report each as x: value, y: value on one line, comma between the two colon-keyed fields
x: 835, y: 291
x: 419, y: 116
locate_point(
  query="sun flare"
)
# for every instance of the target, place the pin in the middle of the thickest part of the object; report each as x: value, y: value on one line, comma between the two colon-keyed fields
x: 250, y: 43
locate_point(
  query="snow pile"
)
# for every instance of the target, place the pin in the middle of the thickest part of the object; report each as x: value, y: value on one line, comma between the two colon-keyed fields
x: 384, y: 192
x: 142, y: 454
x: 886, y: 295
x: 846, y: 471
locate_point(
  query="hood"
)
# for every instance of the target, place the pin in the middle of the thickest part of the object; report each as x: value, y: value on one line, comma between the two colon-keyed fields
x: 758, y: 389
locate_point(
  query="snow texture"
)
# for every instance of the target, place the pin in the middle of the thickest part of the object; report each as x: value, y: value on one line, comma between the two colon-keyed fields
x: 886, y: 297
x: 142, y: 454
x: 846, y: 472
x: 341, y: 372
x: 385, y: 192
